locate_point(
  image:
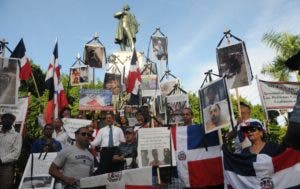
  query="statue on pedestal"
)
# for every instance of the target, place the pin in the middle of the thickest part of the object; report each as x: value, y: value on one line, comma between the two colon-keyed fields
x: 126, y: 29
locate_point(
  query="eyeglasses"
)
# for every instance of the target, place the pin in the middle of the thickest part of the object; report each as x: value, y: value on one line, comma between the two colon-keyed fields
x: 250, y: 129
x: 85, y: 134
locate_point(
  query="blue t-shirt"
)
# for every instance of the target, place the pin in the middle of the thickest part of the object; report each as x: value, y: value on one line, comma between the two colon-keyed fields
x: 39, y: 144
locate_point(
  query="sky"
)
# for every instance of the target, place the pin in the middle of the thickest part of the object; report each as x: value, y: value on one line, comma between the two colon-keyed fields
x: 193, y: 28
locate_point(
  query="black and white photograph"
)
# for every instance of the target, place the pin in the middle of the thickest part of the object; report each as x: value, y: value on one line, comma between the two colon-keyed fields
x: 215, y: 106
x: 233, y: 62
x: 176, y: 104
x: 9, y: 79
x: 37, y: 182
x: 159, y: 45
x: 94, y: 56
x: 113, y: 82
x: 213, y: 93
x: 79, y: 75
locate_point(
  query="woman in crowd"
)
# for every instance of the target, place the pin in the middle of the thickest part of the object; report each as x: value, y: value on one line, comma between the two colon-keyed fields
x: 256, y: 133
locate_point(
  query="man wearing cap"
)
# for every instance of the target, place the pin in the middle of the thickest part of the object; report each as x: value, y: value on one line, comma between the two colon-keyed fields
x: 74, y: 162
x: 127, y: 149
x: 108, y: 138
x: 10, y: 149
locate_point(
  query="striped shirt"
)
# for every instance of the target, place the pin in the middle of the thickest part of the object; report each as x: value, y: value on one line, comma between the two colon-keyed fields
x: 10, y: 146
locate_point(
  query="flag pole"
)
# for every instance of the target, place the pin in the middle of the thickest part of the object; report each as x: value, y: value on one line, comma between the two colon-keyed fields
x: 35, y: 85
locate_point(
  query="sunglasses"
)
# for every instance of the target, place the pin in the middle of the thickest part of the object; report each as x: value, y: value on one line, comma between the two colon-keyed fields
x: 85, y: 134
x: 250, y: 129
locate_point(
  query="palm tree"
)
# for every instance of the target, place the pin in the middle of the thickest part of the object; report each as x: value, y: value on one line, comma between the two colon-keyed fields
x: 286, y: 45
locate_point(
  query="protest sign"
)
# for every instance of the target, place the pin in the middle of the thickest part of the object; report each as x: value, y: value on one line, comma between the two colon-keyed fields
x: 79, y: 75
x: 167, y: 86
x: 215, y: 109
x: 41, y: 179
x: 154, y: 147
x: 278, y: 95
x: 159, y: 48
x: 113, y: 82
x: 9, y: 81
x: 233, y: 62
x: 94, y: 55
x: 176, y: 104
x: 93, y: 99
x: 149, y: 85
x: 71, y: 125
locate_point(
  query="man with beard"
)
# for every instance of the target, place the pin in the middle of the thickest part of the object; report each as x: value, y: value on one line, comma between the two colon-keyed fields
x: 10, y: 149
x: 216, y: 118
x: 74, y: 162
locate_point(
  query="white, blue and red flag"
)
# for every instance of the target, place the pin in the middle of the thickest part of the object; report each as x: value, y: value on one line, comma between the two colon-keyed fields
x: 25, y: 68
x: 198, y: 156
x: 251, y: 171
x: 57, y: 98
x: 140, y: 178
x: 134, y: 76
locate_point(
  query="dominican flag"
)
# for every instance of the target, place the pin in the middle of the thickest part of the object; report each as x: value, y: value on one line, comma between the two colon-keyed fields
x: 25, y: 68
x: 57, y: 98
x: 198, y: 156
x: 134, y: 76
x: 140, y: 178
x: 262, y: 171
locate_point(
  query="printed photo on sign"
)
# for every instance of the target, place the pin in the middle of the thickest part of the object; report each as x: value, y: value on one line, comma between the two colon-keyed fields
x: 176, y: 104
x: 113, y: 82
x: 159, y: 46
x: 9, y: 79
x: 149, y: 68
x: 216, y: 116
x: 167, y: 87
x: 149, y: 85
x: 213, y: 93
x: 79, y: 75
x: 94, y: 56
x: 129, y: 112
x: 233, y: 62
x: 154, y: 147
x: 93, y: 99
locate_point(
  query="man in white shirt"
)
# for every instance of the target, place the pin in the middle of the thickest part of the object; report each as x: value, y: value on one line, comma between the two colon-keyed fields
x: 108, y: 139
x: 10, y: 149
x: 59, y: 134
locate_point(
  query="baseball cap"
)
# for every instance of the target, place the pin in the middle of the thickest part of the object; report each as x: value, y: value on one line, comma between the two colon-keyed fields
x: 253, y: 123
x: 129, y: 130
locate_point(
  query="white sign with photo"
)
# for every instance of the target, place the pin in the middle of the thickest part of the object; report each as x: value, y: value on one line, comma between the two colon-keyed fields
x: 41, y: 179
x: 159, y: 48
x: 168, y: 85
x: 154, y: 147
x: 233, y: 62
x: 176, y: 104
x: 71, y: 125
x: 278, y: 95
x: 149, y: 85
x: 9, y: 81
x: 215, y: 107
x: 79, y: 75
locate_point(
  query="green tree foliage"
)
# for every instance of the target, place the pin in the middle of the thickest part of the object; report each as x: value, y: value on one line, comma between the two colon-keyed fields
x: 195, y: 106
x: 285, y: 45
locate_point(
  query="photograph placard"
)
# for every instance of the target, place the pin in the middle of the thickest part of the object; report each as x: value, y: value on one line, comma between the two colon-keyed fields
x: 94, y: 99
x: 94, y: 55
x: 159, y: 46
x: 113, y: 82
x: 233, y: 62
x: 168, y: 85
x: 176, y: 104
x: 149, y: 85
x: 154, y: 147
x: 79, y: 75
x: 215, y: 109
x: 9, y: 81
x: 41, y: 179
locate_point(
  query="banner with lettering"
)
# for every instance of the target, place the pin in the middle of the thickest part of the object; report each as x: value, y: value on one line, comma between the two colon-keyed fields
x: 278, y: 95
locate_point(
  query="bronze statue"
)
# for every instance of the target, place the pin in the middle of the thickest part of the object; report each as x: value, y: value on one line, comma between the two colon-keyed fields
x: 126, y: 29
